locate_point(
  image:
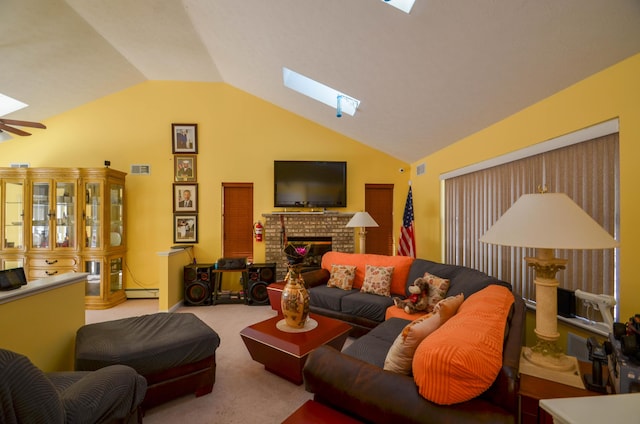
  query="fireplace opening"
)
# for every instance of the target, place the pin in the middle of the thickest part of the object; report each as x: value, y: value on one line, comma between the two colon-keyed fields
x: 318, y: 247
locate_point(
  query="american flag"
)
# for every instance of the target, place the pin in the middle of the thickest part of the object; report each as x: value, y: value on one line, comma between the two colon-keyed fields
x: 407, y: 243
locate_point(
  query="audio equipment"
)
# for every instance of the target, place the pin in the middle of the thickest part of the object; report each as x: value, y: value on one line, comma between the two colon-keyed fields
x: 232, y: 263
x: 260, y: 276
x: 198, y: 285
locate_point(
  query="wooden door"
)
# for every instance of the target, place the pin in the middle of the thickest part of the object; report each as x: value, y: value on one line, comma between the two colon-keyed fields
x: 378, y: 201
x: 237, y: 219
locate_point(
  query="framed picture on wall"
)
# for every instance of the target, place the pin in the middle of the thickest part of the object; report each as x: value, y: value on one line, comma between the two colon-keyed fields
x: 185, y: 198
x: 184, y: 167
x: 185, y: 228
x: 184, y: 138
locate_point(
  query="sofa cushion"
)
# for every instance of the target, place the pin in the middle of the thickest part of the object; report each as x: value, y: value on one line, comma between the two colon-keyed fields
x: 461, y: 279
x: 365, y: 305
x: 462, y: 358
x: 373, y: 346
x: 328, y: 297
x: 342, y: 276
x: 400, y: 355
x: 377, y: 280
x: 401, y: 265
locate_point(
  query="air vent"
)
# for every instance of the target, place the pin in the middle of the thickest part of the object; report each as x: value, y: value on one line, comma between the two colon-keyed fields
x: 19, y: 165
x: 421, y: 169
x: 140, y: 169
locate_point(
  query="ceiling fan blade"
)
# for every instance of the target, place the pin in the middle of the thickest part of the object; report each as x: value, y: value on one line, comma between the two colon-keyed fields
x: 22, y: 123
x: 16, y: 131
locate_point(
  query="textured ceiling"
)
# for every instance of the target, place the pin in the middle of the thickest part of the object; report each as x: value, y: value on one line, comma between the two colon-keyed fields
x: 425, y: 80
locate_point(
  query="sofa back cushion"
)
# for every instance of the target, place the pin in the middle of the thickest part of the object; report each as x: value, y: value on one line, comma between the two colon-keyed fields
x: 462, y: 358
x: 400, y: 264
x: 461, y: 279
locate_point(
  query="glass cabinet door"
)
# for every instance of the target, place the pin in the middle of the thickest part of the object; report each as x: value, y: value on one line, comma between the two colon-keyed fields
x: 94, y: 278
x: 93, y: 215
x: 40, y: 215
x: 13, y: 214
x: 115, y: 276
x: 117, y: 215
x: 65, y: 214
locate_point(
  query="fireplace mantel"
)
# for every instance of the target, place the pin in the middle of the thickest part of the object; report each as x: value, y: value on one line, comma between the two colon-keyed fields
x: 305, y: 224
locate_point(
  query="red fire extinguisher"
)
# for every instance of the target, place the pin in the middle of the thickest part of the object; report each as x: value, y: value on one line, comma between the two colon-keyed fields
x: 257, y: 230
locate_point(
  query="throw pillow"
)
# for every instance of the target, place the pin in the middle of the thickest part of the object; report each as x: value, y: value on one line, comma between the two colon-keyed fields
x: 462, y: 358
x: 437, y: 289
x: 377, y: 280
x: 342, y: 276
x: 400, y: 354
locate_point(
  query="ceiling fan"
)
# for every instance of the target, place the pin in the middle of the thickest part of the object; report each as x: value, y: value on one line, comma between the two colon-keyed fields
x: 9, y: 124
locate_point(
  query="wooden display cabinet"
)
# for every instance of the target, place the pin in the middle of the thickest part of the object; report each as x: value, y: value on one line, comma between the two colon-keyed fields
x: 58, y: 220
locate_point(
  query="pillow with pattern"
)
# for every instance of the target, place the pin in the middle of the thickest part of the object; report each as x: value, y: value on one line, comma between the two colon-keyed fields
x: 342, y: 276
x: 437, y: 289
x: 377, y: 280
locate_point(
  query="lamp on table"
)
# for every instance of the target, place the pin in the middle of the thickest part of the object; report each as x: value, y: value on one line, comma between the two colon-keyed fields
x: 362, y: 220
x: 548, y: 221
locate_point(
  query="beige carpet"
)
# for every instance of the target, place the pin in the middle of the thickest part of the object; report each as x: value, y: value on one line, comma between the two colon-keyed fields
x: 244, y: 392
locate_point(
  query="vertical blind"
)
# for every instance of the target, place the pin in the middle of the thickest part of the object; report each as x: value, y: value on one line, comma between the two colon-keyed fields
x: 588, y: 172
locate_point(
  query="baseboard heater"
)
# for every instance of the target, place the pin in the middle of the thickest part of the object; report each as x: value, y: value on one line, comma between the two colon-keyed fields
x: 141, y: 293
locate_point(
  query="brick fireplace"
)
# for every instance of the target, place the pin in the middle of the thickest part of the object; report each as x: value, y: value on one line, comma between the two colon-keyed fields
x: 315, y: 228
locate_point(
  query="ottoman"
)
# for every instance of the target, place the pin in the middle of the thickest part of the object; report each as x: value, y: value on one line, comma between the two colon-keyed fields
x: 175, y: 352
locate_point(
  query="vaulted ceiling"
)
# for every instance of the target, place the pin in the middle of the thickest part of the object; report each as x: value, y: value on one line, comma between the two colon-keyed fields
x: 425, y: 79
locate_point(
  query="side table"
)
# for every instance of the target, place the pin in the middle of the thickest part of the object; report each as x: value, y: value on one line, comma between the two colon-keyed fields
x: 533, y: 389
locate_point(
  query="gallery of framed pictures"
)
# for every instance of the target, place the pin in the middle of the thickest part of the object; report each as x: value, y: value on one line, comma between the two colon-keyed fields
x: 185, y: 228
x: 184, y: 168
x: 184, y: 138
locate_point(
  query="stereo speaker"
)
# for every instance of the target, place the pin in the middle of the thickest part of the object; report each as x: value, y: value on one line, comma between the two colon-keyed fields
x: 260, y: 276
x: 198, y: 285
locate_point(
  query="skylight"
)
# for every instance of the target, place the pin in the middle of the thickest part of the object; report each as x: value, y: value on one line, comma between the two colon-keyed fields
x: 404, y: 5
x: 9, y: 104
x: 343, y: 103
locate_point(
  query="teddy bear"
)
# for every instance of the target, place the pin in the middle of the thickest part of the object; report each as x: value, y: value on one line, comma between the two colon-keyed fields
x: 418, y: 299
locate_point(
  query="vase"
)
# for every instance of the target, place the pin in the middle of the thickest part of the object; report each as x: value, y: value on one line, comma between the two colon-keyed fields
x: 295, y: 299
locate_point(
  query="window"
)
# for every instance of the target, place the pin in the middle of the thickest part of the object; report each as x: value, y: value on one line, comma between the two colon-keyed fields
x: 588, y: 172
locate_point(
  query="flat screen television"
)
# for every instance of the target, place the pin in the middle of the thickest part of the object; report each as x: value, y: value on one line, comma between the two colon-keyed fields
x: 309, y: 184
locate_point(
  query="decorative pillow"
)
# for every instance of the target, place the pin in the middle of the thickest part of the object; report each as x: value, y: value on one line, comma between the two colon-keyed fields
x: 342, y: 276
x: 400, y: 354
x: 462, y: 358
x: 437, y: 289
x: 377, y: 280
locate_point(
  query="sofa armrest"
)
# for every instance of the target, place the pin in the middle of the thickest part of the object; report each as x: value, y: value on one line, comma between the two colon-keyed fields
x: 371, y: 394
x: 316, y: 277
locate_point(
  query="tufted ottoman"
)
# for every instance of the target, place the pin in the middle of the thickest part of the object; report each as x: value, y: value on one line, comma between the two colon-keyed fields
x: 175, y: 352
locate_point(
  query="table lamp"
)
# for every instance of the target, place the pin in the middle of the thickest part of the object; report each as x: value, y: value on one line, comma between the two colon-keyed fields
x: 547, y: 221
x: 362, y: 220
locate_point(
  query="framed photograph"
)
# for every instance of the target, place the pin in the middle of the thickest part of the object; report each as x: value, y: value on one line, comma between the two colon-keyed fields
x: 185, y: 198
x: 184, y: 138
x: 185, y: 228
x: 184, y: 167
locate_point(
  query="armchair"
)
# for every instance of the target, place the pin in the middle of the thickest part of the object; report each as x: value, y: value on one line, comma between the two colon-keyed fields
x: 108, y: 395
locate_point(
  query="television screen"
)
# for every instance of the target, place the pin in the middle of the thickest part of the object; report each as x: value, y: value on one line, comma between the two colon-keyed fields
x: 310, y: 184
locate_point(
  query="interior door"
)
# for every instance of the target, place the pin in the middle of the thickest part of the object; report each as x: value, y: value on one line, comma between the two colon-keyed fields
x: 237, y: 219
x: 378, y: 201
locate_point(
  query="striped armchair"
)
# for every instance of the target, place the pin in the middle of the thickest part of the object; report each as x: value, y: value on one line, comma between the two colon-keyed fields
x: 28, y: 395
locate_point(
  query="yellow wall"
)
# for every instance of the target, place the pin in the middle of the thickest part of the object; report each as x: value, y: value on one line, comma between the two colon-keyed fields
x: 239, y: 136
x: 614, y: 92
x: 37, y: 327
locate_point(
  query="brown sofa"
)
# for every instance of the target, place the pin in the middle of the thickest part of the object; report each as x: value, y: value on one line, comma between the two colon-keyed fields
x: 354, y: 382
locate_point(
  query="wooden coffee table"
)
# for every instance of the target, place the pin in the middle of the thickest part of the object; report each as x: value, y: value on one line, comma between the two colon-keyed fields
x: 284, y: 353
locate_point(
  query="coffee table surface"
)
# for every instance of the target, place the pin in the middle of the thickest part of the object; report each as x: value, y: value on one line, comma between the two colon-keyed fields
x: 298, y: 343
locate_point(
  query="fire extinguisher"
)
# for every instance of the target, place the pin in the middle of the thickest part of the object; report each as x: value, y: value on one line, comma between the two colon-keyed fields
x: 257, y: 230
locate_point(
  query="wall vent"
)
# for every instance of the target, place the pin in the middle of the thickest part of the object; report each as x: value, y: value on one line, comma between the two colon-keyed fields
x: 140, y: 169
x: 19, y: 165
x: 421, y: 169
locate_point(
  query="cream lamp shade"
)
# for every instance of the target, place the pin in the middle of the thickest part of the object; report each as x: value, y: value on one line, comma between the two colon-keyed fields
x: 362, y: 220
x: 547, y: 221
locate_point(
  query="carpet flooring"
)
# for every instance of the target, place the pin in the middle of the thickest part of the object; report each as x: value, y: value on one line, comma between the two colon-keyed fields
x: 244, y: 391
